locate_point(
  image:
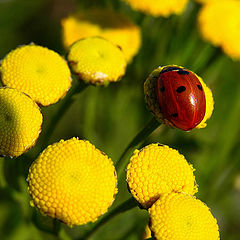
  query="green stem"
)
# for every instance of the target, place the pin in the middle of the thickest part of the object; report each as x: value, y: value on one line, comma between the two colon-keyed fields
x: 67, y: 102
x: 56, y: 227
x: 53, y: 227
x: 125, y: 206
x: 206, y: 58
x: 3, y: 182
x: 140, y: 137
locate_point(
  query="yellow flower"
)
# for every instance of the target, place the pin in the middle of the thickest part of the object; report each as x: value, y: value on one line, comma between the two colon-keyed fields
x: 157, y: 169
x: 182, y: 217
x: 97, y: 61
x: 219, y: 22
x: 73, y: 182
x: 20, y: 122
x: 151, y: 97
x: 158, y: 7
x: 105, y: 23
x: 37, y: 71
x: 207, y: 1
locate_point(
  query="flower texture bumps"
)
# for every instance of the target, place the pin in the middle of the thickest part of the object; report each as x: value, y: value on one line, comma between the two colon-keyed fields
x: 158, y: 7
x: 152, y: 101
x: 157, y: 169
x: 105, y: 23
x: 219, y: 22
x: 73, y: 182
x: 20, y: 122
x: 37, y: 71
x: 182, y: 216
x: 97, y: 61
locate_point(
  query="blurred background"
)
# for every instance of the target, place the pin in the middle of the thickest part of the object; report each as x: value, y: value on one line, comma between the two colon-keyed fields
x: 110, y: 117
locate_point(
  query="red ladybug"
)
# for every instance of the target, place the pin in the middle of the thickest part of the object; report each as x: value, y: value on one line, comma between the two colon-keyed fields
x: 181, y: 97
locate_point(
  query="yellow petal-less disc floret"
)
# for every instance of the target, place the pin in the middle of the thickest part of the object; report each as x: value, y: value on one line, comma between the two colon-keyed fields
x: 158, y: 7
x: 37, y: 71
x: 157, y: 169
x: 182, y: 217
x: 97, y: 61
x: 219, y: 22
x: 20, y: 122
x: 153, y: 103
x: 73, y: 182
x: 105, y: 23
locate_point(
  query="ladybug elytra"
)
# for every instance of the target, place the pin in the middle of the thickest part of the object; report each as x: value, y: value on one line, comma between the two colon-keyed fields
x: 181, y: 97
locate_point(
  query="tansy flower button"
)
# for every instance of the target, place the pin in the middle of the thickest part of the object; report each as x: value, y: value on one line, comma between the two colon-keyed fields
x: 37, y: 71
x: 97, y: 61
x: 73, y: 182
x: 157, y: 169
x: 20, y: 122
x: 182, y: 217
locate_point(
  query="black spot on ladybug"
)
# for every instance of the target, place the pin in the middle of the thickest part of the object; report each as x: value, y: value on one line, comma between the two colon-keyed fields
x: 182, y: 72
x: 199, y: 87
x: 162, y: 89
x: 174, y: 115
x: 168, y: 69
x: 181, y: 89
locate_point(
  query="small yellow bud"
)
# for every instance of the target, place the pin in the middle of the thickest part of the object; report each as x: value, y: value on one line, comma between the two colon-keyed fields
x: 97, y: 61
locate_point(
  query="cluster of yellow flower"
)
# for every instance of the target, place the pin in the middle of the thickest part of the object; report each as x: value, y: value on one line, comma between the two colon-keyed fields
x: 162, y: 181
x: 104, y: 23
x: 218, y: 21
x: 33, y: 75
x: 72, y: 180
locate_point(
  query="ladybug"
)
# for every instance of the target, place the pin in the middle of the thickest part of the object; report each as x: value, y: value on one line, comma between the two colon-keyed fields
x: 181, y: 97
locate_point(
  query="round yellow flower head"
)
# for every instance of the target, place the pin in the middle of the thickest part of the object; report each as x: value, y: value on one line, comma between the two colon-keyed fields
x: 37, y: 71
x: 20, y: 122
x: 181, y: 216
x: 158, y: 7
x: 157, y: 169
x: 73, y: 182
x: 105, y: 23
x: 189, y: 106
x: 219, y: 22
x: 97, y: 61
